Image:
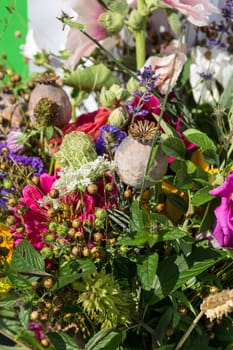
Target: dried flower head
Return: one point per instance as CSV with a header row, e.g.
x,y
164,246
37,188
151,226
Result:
x,y
46,112
218,305
46,78
142,130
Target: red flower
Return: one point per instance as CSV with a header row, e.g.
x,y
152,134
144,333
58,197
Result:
x,y
90,123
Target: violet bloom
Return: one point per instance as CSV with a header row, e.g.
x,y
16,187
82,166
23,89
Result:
x,y
197,11
77,43
110,138
15,141
223,228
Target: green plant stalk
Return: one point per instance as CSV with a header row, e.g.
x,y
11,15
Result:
x,y
108,53
140,38
189,330
156,137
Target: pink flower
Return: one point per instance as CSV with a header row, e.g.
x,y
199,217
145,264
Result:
x,y
197,11
35,218
168,67
223,228
88,12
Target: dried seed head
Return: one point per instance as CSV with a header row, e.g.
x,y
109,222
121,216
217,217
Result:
x,y
46,112
218,305
142,130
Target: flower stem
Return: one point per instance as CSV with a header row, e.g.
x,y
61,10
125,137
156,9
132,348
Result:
x,y
140,38
189,330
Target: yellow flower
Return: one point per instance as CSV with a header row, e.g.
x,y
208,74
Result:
x,y
5,287
173,213
200,162
6,244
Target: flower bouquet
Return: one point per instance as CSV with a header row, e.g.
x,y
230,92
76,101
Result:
x,y
116,226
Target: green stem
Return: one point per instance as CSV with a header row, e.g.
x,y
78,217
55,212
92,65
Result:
x,y
140,38
189,330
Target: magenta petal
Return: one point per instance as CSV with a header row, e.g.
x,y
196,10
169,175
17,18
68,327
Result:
x,y
46,182
225,189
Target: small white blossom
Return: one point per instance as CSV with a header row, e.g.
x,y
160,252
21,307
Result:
x,y
71,179
217,69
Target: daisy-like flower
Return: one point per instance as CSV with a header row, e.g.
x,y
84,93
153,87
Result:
x,y
208,69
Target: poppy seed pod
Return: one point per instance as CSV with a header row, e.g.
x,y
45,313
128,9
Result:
x,y
131,160
49,104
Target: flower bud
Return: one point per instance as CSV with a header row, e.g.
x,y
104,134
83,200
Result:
x,y
120,93
107,98
136,21
111,21
132,85
118,118
154,4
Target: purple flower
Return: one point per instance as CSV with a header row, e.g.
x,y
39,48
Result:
x,y
109,139
227,10
223,227
15,141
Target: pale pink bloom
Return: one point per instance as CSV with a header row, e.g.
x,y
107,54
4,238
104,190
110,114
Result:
x,y
197,11
132,3
168,67
88,12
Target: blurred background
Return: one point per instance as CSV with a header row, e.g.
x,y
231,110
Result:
x,y
28,27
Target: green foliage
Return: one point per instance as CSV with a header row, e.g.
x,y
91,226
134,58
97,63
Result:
x,y
91,78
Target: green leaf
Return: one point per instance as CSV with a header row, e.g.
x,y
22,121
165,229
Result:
x,y
210,156
174,21
29,338
63,341
91,78
174,147
73,24
146,269
202,196
137,216
175,271
119,6
49,131
72,270
104,339
27,258
226,98
200,139
171,233
7,302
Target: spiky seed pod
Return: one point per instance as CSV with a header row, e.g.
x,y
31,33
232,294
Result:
x,y
218,305
52,102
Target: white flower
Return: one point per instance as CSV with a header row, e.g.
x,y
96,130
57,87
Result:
x,y
206,72
71,179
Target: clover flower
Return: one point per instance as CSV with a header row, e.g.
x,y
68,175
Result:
x,y
15,141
